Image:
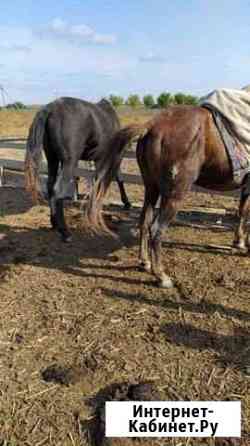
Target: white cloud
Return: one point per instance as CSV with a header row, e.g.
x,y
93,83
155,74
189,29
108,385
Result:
x,y
152,58
13,47
77,34
32,68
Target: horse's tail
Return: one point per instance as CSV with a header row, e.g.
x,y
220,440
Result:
x,y
106,170
34,152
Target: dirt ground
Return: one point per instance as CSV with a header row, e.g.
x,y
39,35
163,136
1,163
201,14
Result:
x,y
80,322
78,318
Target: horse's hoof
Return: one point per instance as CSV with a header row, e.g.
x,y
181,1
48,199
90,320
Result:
x,y
127,206
240,246
247,370
54,225
66,238
145,266
165,282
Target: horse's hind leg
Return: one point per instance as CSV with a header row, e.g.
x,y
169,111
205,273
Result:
x,y
175,184
241,234
52,175
146,217
61,191
124,197
166,213
53,164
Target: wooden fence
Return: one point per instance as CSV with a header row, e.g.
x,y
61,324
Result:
x,y
18,166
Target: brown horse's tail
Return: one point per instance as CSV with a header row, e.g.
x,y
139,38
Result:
x,y
34,152
106,170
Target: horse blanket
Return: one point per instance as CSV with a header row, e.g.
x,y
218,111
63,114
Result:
x,y
231,112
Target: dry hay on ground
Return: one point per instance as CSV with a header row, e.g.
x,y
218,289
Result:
x,y
78,319
86,314
16,123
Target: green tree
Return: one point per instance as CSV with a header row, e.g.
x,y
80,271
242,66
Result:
x,y
116,101
149,101
179,98
133,100
191,100
187,99
164,99
16,105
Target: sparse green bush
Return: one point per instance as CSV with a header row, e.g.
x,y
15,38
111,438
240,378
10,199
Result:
x,y
164,99
116,101
187,99
133,100
16,106
179,98
149,101
191,100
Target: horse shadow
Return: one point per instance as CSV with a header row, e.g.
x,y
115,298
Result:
x,y
202,307
231,351
43,247
14,201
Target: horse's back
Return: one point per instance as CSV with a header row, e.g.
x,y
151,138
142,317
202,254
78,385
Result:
x,y
186,136
172,132
77,124
180,121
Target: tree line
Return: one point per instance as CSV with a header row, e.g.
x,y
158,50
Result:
x,y
149,101
15,106
134,100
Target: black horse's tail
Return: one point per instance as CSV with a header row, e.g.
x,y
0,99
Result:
x,y
34,152
106,171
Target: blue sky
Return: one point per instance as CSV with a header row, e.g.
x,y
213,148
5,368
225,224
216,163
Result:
x,y
90,49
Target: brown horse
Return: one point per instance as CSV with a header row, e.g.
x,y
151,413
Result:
x,y
181,147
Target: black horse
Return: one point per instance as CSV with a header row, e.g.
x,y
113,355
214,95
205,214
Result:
x,y
69,130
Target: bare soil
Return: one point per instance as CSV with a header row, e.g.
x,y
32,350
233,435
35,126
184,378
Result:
x,y
81,324
80,319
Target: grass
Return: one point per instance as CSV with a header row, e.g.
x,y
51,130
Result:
x,y
17,123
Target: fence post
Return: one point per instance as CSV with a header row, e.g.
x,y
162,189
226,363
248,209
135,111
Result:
x,y
1,176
